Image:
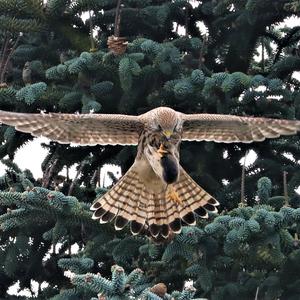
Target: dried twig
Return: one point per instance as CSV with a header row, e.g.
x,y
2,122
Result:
x,y
69,244
76,177
94,178
263,53
48,174
99,175
83,233
256,294
3,54
3,51
243,201
12,50
187,19
117,19
93,48
285,190
112,176
202,51
67,173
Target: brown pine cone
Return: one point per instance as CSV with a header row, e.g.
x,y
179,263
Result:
x,y
159,289
117,45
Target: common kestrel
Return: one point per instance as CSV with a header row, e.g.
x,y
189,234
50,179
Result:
x,y
156,194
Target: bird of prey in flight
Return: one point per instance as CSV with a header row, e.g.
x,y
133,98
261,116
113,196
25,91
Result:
x,y
155,194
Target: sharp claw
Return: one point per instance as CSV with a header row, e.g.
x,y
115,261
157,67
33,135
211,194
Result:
x,y
172,195
161,151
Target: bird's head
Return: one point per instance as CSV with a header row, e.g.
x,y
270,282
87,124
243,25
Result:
x,y
166,121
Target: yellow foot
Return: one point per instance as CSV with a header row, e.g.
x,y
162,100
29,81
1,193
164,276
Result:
x,y
171,194
161,151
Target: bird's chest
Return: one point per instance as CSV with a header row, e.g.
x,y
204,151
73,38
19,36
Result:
x,y
157,169
150,179
149,139
155,139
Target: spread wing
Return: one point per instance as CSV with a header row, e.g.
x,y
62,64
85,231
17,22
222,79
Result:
x,y
230,129
86,129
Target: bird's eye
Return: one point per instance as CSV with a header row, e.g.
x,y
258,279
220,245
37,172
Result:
x,y
159,127
175,137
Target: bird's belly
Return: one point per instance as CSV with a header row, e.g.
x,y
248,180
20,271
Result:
x,y
150,179
166,166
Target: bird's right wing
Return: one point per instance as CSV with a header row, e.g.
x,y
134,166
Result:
x,y
234,129
84,129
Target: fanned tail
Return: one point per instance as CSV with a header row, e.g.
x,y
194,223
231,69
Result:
x,y
167,216
129,201
123,204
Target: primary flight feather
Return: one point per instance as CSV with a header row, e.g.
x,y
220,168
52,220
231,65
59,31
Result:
x,y
156,194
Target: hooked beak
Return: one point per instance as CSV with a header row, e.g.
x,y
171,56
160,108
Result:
x,y
167,133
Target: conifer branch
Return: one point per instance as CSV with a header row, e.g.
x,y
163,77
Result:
x,y
117,19
12,50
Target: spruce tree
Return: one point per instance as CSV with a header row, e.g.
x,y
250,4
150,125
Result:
x,y
129,56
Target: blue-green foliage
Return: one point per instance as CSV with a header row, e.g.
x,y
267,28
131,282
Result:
x,y
30,93
76,264
197,77
89,104
110,288
70,101
247,238
125,74
102,88
57,72
264,186
146,59
122,286
7,95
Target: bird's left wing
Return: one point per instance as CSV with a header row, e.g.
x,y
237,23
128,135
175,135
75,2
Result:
x,y
85,129
232,129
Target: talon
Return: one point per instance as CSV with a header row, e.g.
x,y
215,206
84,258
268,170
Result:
x,y
161,151
172,195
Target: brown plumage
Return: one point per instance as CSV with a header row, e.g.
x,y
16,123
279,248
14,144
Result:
x,y
156,194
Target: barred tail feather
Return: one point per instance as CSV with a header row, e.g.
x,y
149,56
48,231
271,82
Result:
x,y
129,201
194,199
122,203
139,213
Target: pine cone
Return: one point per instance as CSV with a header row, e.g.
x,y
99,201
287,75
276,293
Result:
x,y
117,45
3,85
159,289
